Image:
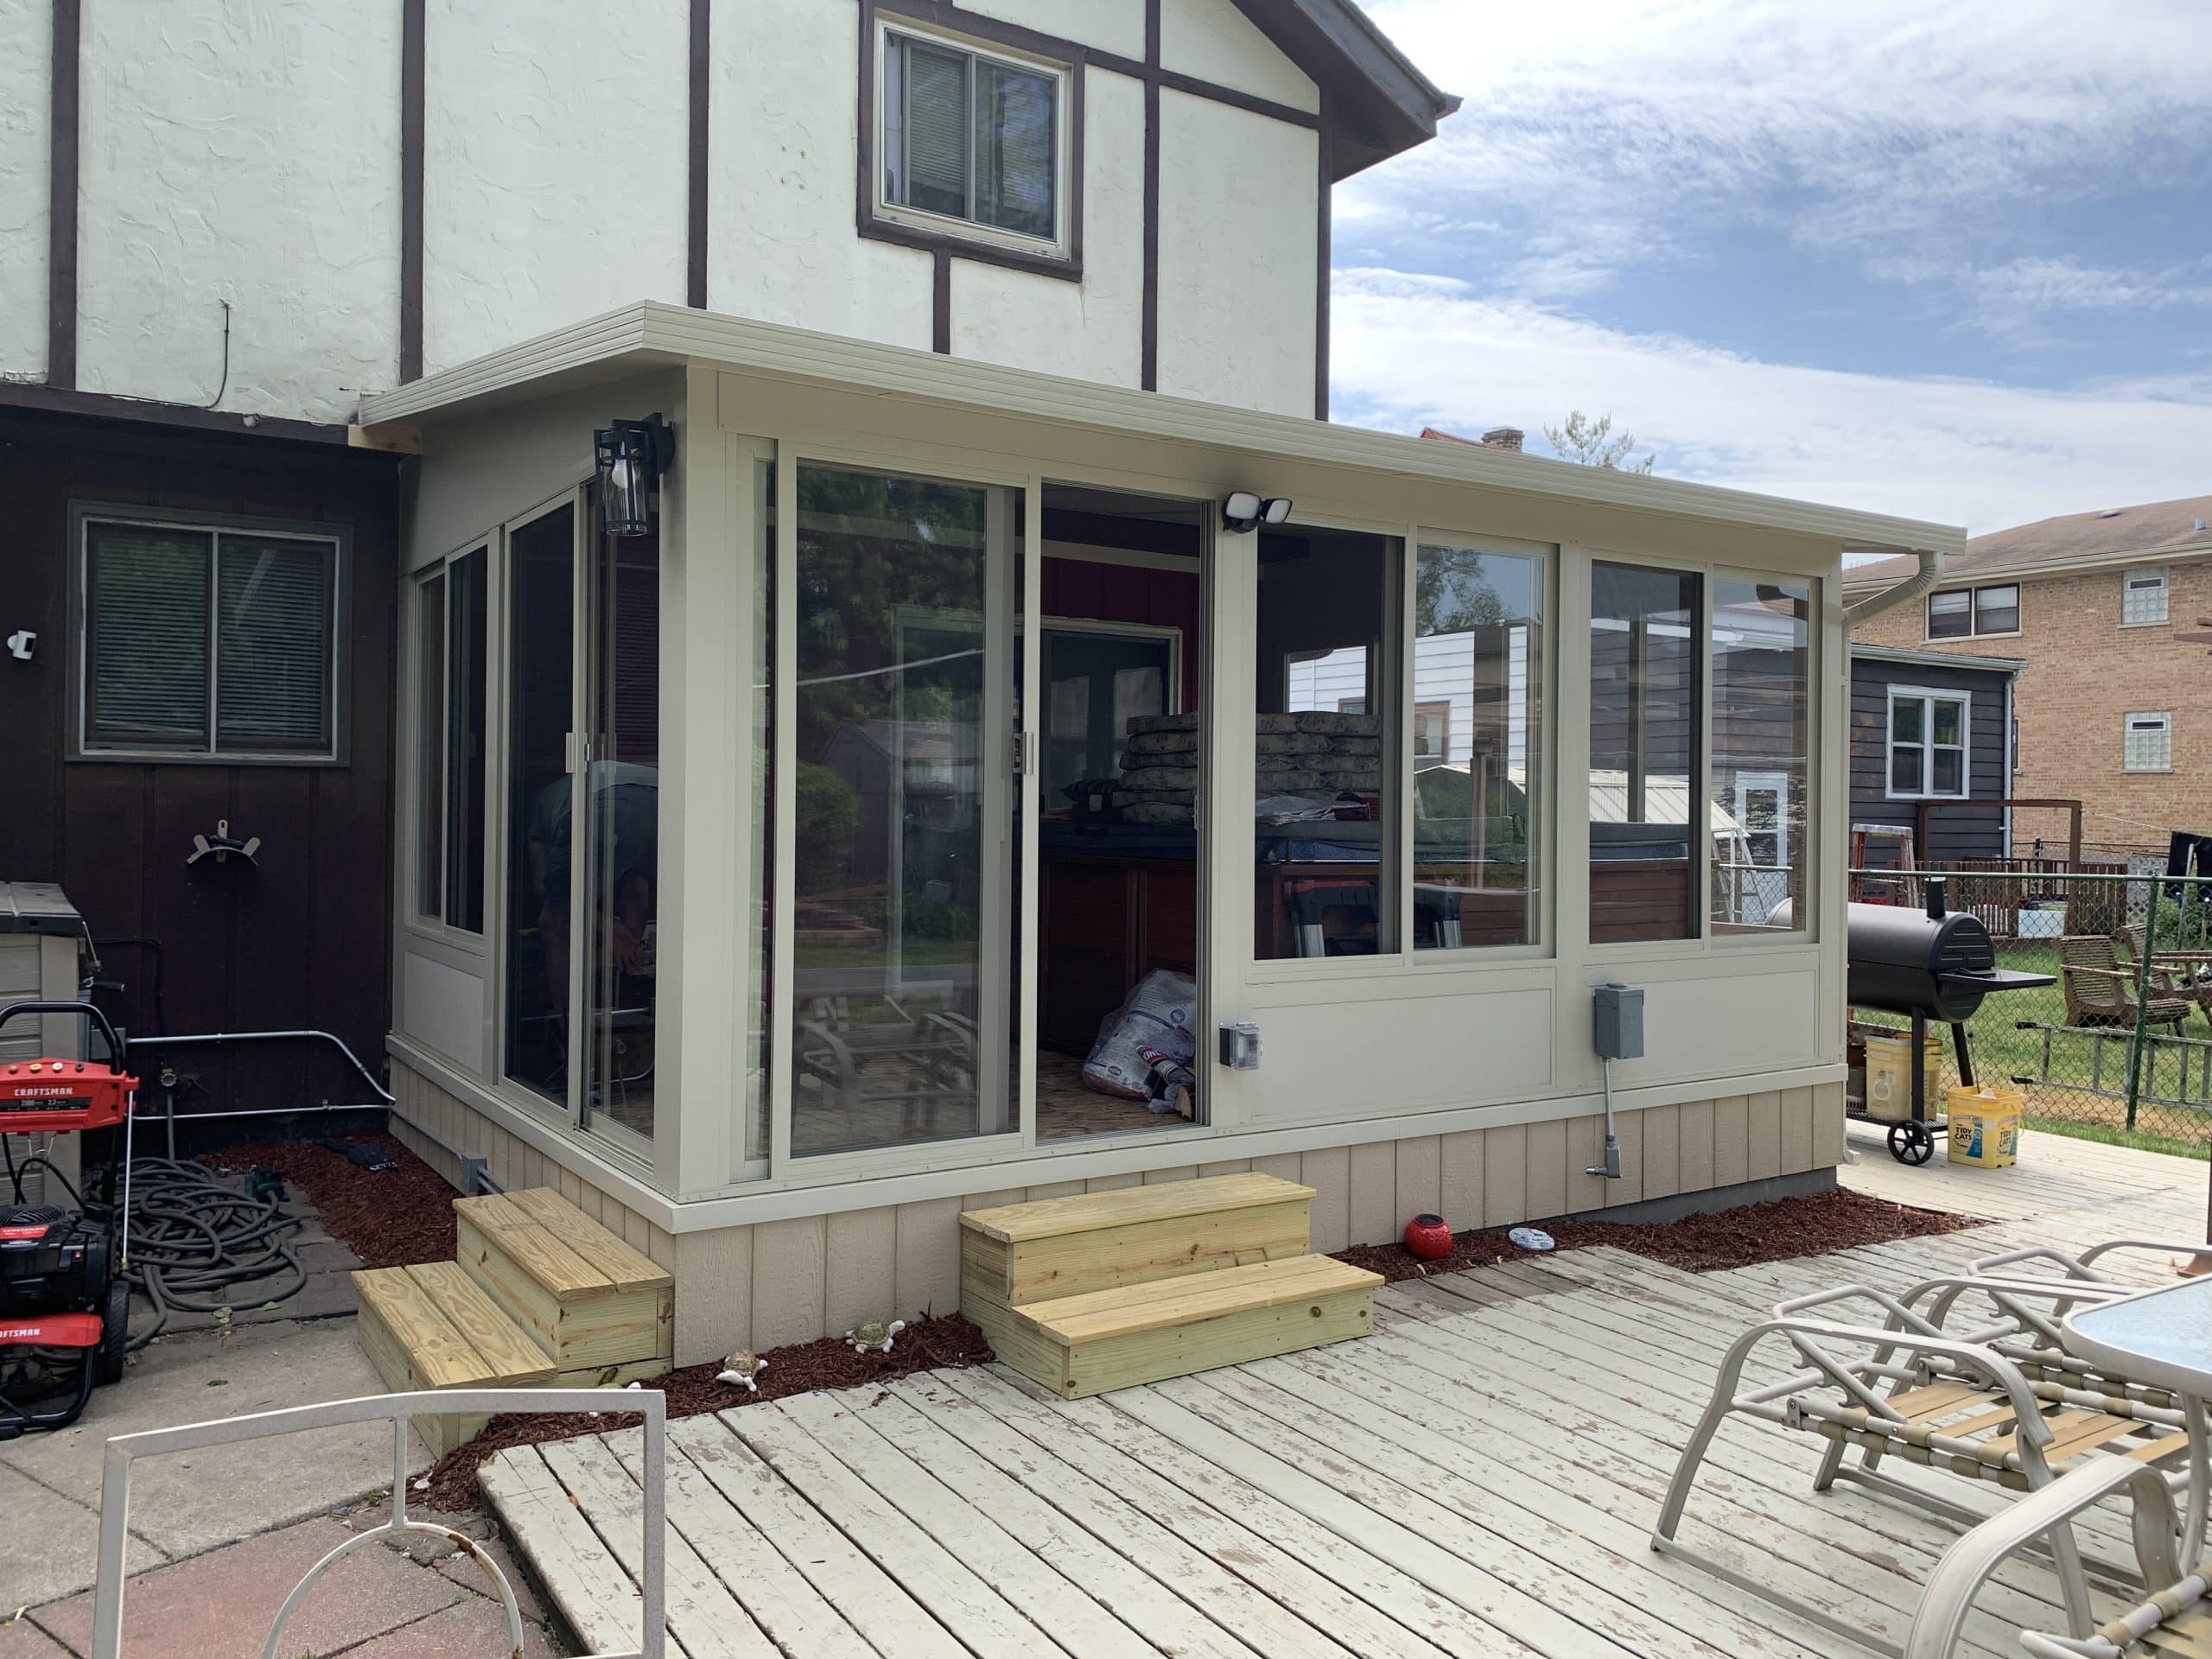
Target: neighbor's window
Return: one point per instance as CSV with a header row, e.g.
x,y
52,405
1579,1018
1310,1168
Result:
x,y
2148,745
2143,598
1964,612
1478,666
1643,752
201,640
452,615
1928,743
972,137
1762,707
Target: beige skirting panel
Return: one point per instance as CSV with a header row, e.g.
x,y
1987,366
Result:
x,y
782,1282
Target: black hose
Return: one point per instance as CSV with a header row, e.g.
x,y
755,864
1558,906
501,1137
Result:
x,y
193,1238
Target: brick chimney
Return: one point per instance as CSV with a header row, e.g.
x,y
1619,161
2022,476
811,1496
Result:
x,y
1505,438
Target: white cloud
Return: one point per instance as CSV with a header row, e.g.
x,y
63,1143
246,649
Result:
x,y
1408,350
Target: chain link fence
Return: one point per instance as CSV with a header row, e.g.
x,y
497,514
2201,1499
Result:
x,y
2119,1045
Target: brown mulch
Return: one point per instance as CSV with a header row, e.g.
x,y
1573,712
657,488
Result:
x,y
389,1217
928,1343
1741,1237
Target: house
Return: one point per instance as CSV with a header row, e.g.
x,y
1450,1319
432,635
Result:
x,y
2112,709
741,869
1931,754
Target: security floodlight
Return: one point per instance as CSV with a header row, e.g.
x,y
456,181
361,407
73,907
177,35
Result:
x,y
1239,511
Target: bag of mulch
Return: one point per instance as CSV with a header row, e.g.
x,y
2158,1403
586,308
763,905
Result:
x,y
1152,1026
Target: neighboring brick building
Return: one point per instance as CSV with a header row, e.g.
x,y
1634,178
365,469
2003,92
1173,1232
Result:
x,y
2112,709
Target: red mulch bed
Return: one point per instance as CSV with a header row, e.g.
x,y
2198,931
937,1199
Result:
x,y
928,1343
389,1217
1741,1237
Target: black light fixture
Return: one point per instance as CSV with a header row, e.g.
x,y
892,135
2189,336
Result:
x,y
630,457
1243,510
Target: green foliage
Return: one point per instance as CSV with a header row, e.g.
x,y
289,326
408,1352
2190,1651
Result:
x,y
1591,443
827,808
1451,594
937,918
2184,924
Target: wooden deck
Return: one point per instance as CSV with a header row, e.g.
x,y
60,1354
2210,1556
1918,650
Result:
x,y
1480,1478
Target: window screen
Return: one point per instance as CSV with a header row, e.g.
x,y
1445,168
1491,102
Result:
x,y
1950,616
1996,610
146,636
273,670
970,137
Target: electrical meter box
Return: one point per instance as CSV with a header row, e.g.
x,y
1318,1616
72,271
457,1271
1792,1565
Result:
x,y
1618,1021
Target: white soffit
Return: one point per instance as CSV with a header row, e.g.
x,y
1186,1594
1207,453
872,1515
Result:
x,y
653,334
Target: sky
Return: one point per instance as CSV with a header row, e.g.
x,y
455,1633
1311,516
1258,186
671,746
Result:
x,y
1947,260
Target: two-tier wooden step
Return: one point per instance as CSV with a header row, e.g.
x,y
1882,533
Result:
x,y
542,1295
1105,1290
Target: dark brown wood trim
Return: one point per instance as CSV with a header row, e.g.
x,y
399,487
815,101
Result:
x,y
941,304
412,57
1324,233
62,170
695,157
1148,327
1235,99
30,396
975,24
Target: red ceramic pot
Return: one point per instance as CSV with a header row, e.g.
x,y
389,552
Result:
x,y
1429,1238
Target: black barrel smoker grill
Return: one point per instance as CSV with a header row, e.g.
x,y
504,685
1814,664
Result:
x,y
1928,963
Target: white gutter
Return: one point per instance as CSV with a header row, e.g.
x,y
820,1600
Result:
x,y
1930,572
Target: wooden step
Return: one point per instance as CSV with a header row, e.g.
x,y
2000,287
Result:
x,y
1020,1254
431,1327
589,1300
1103,1340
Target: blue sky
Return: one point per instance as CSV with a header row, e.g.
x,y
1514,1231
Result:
x,y
1948,260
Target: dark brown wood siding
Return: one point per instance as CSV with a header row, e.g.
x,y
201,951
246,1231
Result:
x,y
302,938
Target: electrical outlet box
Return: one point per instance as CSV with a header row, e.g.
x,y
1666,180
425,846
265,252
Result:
x,y
1618,1021
1240,1046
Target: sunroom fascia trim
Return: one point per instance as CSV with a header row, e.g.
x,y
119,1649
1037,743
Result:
x,y
656,335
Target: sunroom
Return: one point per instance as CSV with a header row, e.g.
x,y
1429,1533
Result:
x,y
957,785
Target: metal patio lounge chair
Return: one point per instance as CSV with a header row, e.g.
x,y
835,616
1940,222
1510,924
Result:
x,y
2099,992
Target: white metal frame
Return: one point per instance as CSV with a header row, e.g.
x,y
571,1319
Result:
x,y
400,1410
1927,697
1805,923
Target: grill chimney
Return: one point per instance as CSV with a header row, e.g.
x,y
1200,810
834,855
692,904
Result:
x,y
1503,437
1935,897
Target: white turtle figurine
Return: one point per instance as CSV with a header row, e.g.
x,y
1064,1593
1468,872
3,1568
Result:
x,y
874,1334
741,1368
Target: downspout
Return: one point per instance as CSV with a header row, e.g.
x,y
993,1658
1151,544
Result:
x,y
1931,571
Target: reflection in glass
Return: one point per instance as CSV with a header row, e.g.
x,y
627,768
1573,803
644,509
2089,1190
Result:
x,y
761,883
1762,696
541,614
899,922
468,642
1643,752
1478,740
430,745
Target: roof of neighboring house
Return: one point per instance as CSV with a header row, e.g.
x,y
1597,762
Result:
x,y
1905,654
2050,545
1378,103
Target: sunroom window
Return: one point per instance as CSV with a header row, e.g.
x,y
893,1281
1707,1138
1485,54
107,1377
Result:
x,y
1644,723
971,138
1762,708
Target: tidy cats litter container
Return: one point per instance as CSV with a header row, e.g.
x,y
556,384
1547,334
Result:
x,y
1889,1075
1984,1126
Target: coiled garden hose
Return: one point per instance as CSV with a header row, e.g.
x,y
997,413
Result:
x,y
193,1237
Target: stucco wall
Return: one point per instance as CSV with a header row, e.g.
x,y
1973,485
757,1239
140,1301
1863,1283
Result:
x,y
25,66
553,181
1215,41
1107,25
239,150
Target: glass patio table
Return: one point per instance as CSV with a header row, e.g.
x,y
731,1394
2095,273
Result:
x,y
2162,1338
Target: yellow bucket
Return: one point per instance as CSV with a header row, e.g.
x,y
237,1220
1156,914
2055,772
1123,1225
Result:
x,y
1984,1126
1889,1075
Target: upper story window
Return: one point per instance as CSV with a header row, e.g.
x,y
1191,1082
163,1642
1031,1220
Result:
x,y
972,143
1965,613
199,640
1927,744
2147,745
2143,598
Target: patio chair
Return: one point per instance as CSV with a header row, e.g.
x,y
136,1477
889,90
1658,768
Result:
x,y
2016,1281
2186,974
2099,992
1906,1388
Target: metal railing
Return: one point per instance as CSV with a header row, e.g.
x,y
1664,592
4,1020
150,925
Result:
x,y
400,1409
2119,1045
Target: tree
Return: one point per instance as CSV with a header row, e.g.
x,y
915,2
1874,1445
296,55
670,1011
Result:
x,y
1591,443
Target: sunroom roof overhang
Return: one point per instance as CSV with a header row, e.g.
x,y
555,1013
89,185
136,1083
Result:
x,y
621,344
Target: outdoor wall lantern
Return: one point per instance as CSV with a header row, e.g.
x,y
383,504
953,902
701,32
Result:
x,y
630,457
1243,510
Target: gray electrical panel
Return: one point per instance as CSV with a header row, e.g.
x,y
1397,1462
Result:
x,y
1618,1021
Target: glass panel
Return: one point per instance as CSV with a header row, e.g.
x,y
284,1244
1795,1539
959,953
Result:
x,y
272,659
1324,828
468,647
1907,716
1643,752
763,873
1095,683
2144,597
146,635
1996,610
430,741
1950,616
541,614
1948,718
1907,773
898,959
934,137
1478,743
620,979
1947,772
1016,136
1762,708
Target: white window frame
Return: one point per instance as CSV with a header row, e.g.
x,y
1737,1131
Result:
x,y
2153,579
2163,728
1927,697
1973,596
338,659
411,712
1057,247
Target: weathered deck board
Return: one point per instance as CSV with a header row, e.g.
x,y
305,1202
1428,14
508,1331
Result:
x,y
1477,1478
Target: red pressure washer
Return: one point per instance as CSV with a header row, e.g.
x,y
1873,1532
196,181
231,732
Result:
x,y
65,1305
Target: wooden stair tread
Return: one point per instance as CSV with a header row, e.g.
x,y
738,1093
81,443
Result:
x,y
1015,1223
448,1333
1161,1303
559,1246
621,1263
